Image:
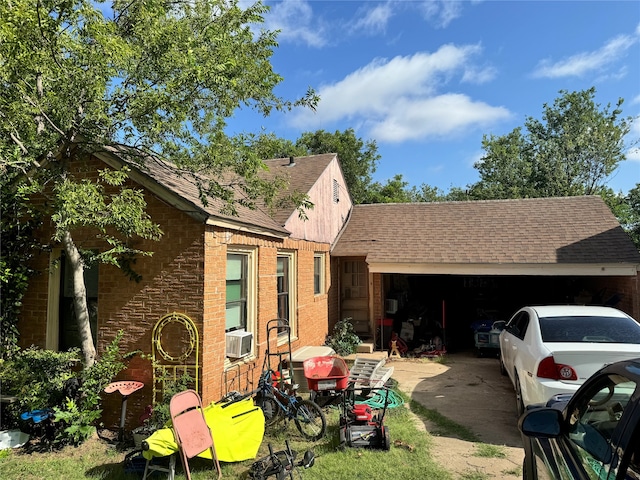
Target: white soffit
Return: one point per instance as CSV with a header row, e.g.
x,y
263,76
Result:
x,y
594,270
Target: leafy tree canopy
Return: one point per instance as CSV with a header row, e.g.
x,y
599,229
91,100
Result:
x,y
160,76
573,150
358,158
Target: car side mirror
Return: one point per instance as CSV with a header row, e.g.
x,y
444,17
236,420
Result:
x,y
541,423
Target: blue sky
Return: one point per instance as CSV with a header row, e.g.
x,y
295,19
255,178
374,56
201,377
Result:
x,y
426,79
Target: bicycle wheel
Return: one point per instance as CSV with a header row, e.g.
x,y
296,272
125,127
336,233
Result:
x,y
310,420
270,408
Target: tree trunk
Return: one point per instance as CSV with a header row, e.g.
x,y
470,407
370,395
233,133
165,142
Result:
x,y
80,300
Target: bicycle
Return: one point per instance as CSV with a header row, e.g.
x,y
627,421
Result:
x,y
280,465
282,402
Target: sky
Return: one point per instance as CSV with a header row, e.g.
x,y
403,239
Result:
x,y
427,79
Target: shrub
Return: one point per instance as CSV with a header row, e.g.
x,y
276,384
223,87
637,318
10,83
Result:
x,y
344,340
44,379
37,378
78,415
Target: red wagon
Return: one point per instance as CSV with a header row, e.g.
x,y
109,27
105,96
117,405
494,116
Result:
x,y
325,374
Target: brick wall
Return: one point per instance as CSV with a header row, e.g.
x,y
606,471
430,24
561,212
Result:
x,y
626,288
172,281
311,316
186,274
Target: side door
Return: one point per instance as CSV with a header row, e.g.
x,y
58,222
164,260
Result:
x,y
512,341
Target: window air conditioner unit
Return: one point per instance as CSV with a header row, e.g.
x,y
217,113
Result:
x,y
239,343
391,305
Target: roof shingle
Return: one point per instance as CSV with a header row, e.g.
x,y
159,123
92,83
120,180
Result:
x,y
523,231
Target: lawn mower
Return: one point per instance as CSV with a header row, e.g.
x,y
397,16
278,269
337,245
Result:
x,y
360,426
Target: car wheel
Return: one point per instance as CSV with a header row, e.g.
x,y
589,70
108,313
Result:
x,y
503,370
519,402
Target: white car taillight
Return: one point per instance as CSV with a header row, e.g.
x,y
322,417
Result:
x,y
548,368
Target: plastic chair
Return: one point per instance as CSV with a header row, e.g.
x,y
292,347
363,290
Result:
x,y
190,428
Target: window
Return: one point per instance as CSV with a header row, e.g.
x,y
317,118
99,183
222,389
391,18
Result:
x,y
354,279
318,274
589,329
336,191
286,291
518,325
241,295
236,291
593,421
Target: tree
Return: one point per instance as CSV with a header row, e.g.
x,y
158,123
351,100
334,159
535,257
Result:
x,y
358,158
573,150
627,209
161,76
267,145
633,221
17,247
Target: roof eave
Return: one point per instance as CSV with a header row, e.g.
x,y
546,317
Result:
x,y
190,208
555,269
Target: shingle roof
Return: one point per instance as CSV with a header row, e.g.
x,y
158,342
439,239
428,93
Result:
x,y
184,186
302,172
524,231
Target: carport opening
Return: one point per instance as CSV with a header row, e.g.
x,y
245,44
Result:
x,y
451,306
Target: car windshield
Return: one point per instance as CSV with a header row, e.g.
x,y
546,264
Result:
x,y
589,329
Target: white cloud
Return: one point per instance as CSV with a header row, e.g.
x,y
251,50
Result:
x,y
585,62
296,22
441,12
633,154
398,99
479,75
635,100
439,116
373,20
634,137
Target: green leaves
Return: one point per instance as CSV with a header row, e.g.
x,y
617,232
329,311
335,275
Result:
x,y
573,150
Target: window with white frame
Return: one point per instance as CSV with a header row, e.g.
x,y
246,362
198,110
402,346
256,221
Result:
x,y
240,291
336,191
318,274
285,276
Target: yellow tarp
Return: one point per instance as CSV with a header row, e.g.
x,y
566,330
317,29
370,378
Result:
x,y
237,429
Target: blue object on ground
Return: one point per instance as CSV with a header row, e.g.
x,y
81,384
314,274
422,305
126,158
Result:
x,y
37,416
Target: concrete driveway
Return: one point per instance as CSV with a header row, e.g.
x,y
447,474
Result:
x,y
466,389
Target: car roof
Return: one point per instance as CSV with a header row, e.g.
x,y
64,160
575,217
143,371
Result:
x,y
577,311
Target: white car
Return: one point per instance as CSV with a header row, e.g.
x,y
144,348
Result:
x,y
548,350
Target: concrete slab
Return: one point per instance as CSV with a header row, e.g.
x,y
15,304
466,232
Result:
x,y
466,389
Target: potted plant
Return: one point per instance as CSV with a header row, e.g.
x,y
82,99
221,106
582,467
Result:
x,y
344,339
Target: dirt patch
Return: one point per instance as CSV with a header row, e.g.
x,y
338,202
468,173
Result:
x,y
471,392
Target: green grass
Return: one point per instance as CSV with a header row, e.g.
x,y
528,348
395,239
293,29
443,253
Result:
x,y
490,451
515,472
409,454
475,475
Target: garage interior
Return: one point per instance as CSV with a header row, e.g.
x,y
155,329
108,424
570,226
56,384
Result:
x,y
451,306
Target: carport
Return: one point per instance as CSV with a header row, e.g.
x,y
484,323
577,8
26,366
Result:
x,y
442,267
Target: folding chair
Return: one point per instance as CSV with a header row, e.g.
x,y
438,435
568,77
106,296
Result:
x,y
190,428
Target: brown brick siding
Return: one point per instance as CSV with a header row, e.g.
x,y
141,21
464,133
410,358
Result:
x,y
186,274
626,288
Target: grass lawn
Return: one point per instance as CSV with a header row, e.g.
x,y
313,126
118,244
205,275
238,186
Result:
x,y
409,457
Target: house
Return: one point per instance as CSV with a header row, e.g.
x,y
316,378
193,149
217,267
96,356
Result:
x,y
211,277
423,270
436,269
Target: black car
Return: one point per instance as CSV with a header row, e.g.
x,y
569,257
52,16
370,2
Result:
x,y
593,434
